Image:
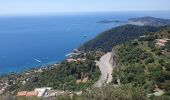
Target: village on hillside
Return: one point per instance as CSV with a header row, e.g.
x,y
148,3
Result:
x,y
43,91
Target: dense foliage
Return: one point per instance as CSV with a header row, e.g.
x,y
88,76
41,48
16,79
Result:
x,y
108,92
63,76
106,40
142,67
144,64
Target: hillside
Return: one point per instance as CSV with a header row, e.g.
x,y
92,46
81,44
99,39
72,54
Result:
x,y
106,40
145,62
141,56
67,75
149,21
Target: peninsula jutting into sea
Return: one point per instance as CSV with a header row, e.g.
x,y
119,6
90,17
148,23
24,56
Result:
x,y
49,38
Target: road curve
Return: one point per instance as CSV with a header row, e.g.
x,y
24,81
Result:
x,y
106,70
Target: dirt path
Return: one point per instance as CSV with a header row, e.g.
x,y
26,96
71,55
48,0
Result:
x,y
106,70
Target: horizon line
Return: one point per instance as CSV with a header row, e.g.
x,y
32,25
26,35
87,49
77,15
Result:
x,y
74,13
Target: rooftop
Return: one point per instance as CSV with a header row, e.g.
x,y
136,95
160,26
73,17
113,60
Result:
x,y
31,93
22,93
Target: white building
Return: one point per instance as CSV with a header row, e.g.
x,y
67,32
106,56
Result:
x,y
42,91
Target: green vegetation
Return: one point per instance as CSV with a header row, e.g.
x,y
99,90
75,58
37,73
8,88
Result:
x,y
106,40
62,76
109,92
143,64
11,97
142,68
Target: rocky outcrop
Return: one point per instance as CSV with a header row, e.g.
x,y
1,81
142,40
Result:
x,y
113,57
115,64
106,70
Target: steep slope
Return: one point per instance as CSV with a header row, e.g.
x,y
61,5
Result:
x,y
106,40
145,62
106,70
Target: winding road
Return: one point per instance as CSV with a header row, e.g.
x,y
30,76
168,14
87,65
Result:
x,y
106,69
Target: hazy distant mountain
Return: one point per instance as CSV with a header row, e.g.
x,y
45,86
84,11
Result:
x,y
150,21
109,21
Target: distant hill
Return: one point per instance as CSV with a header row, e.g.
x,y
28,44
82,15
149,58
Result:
x,y
106,40
109,21
149,21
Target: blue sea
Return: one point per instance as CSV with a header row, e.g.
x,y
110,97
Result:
x,y
31,41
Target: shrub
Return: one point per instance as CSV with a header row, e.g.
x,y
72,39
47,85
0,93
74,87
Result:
x,y
109,92
167,66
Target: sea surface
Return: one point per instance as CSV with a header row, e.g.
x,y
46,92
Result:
x,y
32,41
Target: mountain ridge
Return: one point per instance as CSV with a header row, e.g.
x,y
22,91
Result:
x,y
149,21
121,34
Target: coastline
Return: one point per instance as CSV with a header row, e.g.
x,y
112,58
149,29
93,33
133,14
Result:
x,y
30,68
50,45
40,66
45,65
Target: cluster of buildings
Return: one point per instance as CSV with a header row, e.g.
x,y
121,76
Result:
x,y
40,92
69,60
162,42
159,42
75,52
45,92
2,87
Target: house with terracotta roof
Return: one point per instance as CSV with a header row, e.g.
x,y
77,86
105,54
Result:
x,y
71,60
27,94
81,59
32,94
22,93
38,92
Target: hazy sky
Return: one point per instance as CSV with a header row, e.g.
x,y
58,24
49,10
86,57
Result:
x,y
15,7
